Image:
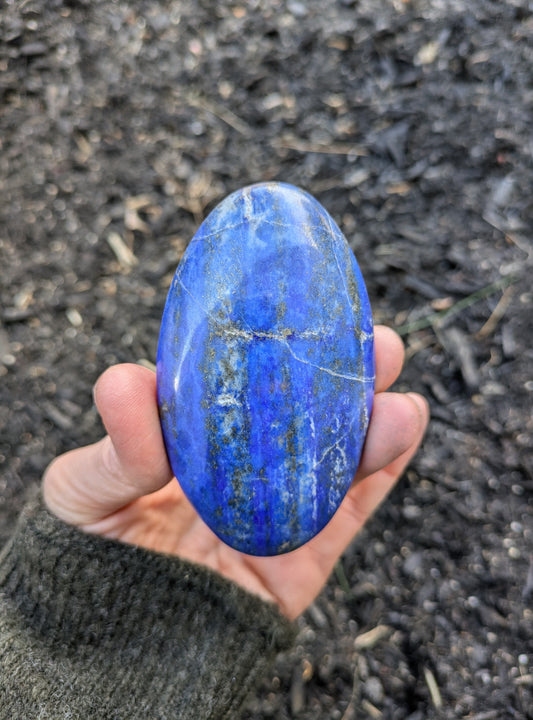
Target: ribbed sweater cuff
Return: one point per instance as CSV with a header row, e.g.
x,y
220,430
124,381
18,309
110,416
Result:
x,y
144,634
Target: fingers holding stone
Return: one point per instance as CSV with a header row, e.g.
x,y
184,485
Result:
x,y
395,432
125,396
398,421
371,488
396,428
87,484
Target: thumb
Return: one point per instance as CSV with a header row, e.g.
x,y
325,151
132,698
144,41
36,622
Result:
x,y
87,484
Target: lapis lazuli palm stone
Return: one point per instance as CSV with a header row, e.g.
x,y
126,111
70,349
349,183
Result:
x,y
265,369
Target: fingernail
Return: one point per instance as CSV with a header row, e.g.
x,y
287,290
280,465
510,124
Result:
x,y
94,395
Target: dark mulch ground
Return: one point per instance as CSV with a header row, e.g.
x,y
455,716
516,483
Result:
x,y
412,122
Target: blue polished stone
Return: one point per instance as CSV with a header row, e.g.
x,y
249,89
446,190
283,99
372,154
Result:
x,y
265,369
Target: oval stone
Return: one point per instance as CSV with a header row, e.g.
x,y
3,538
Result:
x,y
265,369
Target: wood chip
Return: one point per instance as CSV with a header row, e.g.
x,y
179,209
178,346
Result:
x,y
123,253
524,679
59,418
427,53
147,364
399,188
307,147
372,637
84,148
307,670
74,317
458,344
133,222
351,708
433,688
318,617
497,314
443,303
138,202
297,694
219,111
23,298
371,710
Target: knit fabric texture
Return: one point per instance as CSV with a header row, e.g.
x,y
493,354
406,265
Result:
x,y
94,628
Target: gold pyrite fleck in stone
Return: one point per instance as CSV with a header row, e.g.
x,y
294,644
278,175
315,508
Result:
x,y
265,369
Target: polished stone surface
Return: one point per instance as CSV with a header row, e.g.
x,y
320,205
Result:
x,y
265,369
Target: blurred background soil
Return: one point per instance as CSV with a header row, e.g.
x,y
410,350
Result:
x,y
122,124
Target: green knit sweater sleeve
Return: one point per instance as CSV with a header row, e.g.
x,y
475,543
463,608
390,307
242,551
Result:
x,y
93,628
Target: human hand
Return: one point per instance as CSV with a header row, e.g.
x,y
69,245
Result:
x,y
122,487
